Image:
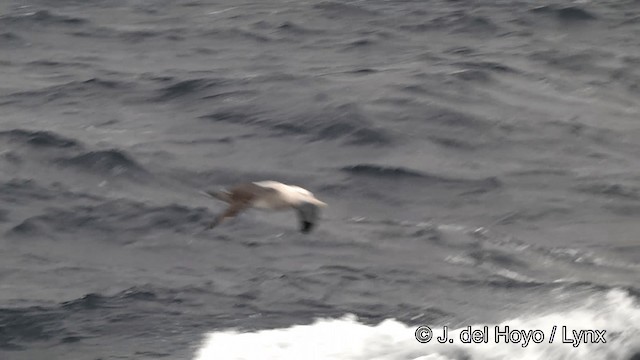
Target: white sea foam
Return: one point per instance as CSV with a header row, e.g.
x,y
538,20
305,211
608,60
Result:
x,y
347,339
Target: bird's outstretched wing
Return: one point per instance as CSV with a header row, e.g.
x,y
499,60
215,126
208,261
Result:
x,y
308,215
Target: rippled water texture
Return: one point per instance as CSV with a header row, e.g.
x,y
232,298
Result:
x,y
480,161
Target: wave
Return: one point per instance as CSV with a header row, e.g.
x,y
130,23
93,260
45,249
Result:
x,y
332,9
126,218
45,63
476,26
473,75
94,301
463,22
24,326
359,43
239,34
346,122
611,190
623,210
138,36
439,116
456,22
36,138
289,27
17,190
41,17
27,325
186,87
382,171
487,65
20,191
11,39
106,162
452,143
582,61
72,92
567,14
616,312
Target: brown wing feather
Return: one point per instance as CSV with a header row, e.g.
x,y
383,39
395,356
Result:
x,y
233,210
240,198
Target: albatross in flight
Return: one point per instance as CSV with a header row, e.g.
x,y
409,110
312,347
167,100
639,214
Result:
x,y
270,195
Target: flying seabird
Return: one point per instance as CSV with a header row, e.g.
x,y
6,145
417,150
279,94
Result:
x,y
271,195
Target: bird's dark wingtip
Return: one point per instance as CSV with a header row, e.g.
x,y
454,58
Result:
x,y
306,227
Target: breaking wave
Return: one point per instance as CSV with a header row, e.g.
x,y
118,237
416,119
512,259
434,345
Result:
x,y
346,338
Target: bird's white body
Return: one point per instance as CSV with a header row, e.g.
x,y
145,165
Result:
x,y
288,196
270,195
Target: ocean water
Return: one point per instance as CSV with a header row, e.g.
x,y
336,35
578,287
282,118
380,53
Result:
x,y
345,338
479,159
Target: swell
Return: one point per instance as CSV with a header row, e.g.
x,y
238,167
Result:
x,y
504,283
20,191
566,14
51,148
39,139
41,18
580,61
345,122
611,190
52,64
88,316
27,325
110,162
455,22
562,254
294,28
10,39
224,176
375,171
492,66
139,36
240,34
185,88
72,92
333,9
95,301
120,220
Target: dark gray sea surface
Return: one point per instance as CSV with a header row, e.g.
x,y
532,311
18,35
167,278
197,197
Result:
x,y
480,159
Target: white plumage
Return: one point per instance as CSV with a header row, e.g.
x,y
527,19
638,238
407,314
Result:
x,y
271,195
